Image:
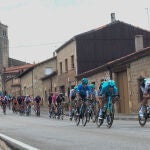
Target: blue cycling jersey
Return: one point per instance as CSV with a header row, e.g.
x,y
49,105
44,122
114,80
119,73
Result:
x,y
106,92
83,91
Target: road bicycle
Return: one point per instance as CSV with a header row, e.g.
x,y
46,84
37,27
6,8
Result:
x,y
142,120
37,109
21,109
15,108
28,109
52,112
73,110
60,112
4,103
91,108
82,113
108,112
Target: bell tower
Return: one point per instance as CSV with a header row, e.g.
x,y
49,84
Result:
x,y
4,46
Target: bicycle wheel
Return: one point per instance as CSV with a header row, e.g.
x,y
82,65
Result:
x,y
93,116
4,109
27,112
142,120
110,118
61,114
88,114
38,111
77,118
84,118
99,122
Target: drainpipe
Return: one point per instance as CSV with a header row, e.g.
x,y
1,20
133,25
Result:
x,y
20,87
32,84
110,72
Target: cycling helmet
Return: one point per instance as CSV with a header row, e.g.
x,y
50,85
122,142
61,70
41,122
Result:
x,y
92,86
111,83
84,81
75,88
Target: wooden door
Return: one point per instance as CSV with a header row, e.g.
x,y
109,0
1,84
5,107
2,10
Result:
x,y
122,84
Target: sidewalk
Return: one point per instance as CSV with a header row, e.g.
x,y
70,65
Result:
x,y
118,116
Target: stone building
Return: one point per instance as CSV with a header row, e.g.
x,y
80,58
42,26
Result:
x,y
11,80
31,79
66,67
49,84
126,71
95,48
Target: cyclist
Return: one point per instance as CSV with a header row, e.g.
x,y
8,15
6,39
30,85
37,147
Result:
x,y
50,103
50,100
93,92
14,104
59,99
28,101
4,103
54,103
72,97
37,101
108,89
100,86
83,92
145,88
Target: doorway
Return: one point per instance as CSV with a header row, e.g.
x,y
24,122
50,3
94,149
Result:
x,y
122,83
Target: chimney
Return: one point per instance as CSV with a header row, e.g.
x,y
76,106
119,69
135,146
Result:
x,y
138,42
54,54
113,19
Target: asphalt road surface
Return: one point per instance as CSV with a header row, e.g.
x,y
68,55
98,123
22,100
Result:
x,y
52,134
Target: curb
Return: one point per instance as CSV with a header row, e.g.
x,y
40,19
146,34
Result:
x,y
126,118
7,143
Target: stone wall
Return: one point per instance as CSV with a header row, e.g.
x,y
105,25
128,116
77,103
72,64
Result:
x,y
140,67
66,78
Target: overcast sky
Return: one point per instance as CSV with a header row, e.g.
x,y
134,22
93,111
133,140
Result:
x,y
36,28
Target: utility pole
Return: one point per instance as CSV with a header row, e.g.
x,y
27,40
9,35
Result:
x,y
148,18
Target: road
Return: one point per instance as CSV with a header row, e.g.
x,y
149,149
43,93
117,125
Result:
x,y
46,134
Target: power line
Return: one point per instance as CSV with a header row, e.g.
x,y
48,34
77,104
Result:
x,y
33,45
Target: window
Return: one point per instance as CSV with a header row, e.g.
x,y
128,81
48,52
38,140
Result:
x,y
72,61
4,33
60,67
66,65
